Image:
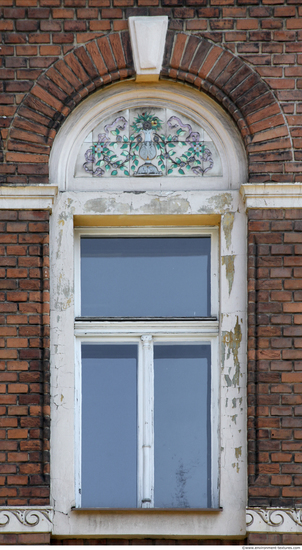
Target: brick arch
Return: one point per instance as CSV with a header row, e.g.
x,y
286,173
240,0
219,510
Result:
x,y
55,94
189,59
242,92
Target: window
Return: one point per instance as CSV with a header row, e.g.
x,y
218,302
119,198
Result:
x,y
146,330
89,207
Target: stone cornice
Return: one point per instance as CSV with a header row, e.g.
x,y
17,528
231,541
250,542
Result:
x,y
26,519
34,197
272,195
274,520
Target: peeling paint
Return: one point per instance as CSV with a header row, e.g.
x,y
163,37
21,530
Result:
x,y
228,261
234,402
161,205
221,202
67,213
231,341
102,205
59,242
227,226
236,465
67,291
234,418
238,452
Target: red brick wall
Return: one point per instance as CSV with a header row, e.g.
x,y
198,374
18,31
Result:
x,y
274,539
24,358
24,538
275,357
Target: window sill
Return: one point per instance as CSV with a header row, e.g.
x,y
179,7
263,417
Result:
x,y
148,510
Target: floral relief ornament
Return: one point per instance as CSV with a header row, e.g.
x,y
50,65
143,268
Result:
x,y
274,517
117,153
101,156
27,517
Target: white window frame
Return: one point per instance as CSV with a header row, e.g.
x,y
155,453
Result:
x,y
145,334
99,203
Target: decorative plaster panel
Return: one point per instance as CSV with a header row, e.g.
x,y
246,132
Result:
x,y
148,141
26,519
274,520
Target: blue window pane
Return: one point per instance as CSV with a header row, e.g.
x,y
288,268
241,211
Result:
x,y
109,426
145,277
182,435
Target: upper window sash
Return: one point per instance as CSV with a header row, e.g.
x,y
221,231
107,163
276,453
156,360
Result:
x,y
144,231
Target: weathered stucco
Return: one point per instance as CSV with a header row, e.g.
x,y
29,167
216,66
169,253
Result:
x,y
227,226
229,373
230,343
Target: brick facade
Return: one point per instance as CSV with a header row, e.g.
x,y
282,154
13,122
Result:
x,y
274,352
246,55
24,358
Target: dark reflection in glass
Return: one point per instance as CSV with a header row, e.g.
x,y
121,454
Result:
x,y
109,426
145,277
182,426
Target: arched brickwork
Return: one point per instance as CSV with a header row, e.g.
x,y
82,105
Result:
x,y
243,94
190,59
56,93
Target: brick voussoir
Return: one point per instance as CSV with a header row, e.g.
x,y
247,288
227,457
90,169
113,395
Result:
x,y
230,71
86,62
213,55
106,52
47,98
188,58
77,68
65,71
118,51
189,52
27,113
200,55
60,81
219,66
52,88
125,39
178,50
36,104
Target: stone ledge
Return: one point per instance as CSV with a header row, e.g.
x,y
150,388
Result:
x,y
26,519
28,197
272,195
274,520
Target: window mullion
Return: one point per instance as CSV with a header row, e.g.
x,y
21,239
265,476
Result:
x,y
148,423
